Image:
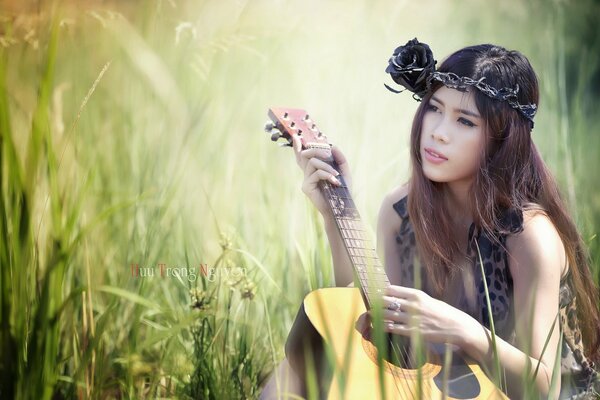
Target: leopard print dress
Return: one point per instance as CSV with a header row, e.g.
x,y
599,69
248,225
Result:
x,y
579,376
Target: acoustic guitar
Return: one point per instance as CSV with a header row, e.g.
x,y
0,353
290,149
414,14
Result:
x,y
333,359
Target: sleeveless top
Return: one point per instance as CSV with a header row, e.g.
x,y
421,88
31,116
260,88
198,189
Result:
x,y
579,377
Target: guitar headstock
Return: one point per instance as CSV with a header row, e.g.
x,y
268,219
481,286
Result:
x,y
288,122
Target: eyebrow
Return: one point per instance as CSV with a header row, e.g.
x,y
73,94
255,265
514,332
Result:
x,y
466,112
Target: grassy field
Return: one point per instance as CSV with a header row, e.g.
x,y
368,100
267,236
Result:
x,y
155,243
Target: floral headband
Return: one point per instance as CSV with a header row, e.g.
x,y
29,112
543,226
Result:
x,y
413,67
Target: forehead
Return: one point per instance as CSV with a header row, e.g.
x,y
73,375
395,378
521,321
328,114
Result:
x,y
454,98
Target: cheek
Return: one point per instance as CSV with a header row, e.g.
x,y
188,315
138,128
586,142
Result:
x,y
428,122
426,127
472,152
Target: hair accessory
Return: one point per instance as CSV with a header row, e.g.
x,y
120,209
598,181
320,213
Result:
x,y
509,95
413,67
410,65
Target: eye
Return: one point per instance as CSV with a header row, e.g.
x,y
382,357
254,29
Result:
x,y
431,107
466,122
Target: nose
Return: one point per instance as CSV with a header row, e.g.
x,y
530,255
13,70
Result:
x,y
439,132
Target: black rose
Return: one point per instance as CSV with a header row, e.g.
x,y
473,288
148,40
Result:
x,y
410,65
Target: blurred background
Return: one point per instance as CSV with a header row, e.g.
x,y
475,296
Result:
x,y
155,242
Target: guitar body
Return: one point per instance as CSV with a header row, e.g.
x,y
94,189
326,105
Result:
x,y
326,320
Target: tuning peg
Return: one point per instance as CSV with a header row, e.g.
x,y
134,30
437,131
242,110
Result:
x,y
285,144
275,135
269,125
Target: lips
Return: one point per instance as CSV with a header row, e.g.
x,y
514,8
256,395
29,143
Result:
x,y
435,153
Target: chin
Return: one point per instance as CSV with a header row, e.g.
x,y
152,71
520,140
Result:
x,y
436,176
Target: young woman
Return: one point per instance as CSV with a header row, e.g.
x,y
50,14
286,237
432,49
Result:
x,y
478,191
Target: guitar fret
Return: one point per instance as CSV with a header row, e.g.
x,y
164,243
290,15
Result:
x,y
375,292
372,287
351,222
369,274
360,244
365,261
373,262
343,197
378,291
363,270
379,283
374,273
354,234
342,202
342,188
342,206
349,235
374,282
362,252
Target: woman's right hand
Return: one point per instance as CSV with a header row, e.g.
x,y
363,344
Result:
x,y
311,161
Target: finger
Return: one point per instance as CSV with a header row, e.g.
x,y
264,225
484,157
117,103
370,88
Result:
x,y
382,318
399,329
304,156
396,316
340,159
316,152
320,175
320,164
389,301
392,302
297,143
402,292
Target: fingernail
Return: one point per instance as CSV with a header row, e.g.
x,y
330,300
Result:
x,y
336,173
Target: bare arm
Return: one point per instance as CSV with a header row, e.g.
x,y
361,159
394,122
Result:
x,y
342,266
536,263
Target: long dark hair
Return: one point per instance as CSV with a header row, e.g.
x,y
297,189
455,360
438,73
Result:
x,y
512,174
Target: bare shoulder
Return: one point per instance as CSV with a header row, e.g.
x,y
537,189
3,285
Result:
x,y
389,219
537,249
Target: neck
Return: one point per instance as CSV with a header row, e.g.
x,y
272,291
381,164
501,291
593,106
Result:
x,y
458,201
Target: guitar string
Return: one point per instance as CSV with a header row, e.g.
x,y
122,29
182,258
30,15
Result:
x,y
395,347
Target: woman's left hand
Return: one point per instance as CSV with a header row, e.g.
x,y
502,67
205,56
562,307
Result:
x,y
436,320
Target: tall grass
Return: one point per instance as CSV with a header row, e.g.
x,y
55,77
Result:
x,y
130,133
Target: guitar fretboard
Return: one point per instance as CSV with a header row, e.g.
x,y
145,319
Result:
x,y
361,250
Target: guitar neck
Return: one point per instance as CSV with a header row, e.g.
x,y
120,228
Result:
x,y
366,265
369,271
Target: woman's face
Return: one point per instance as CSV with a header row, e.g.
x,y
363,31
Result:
x,y
452,128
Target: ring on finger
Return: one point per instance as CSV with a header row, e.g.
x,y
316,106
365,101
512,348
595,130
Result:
x,y
395,306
